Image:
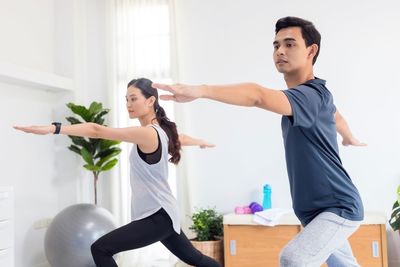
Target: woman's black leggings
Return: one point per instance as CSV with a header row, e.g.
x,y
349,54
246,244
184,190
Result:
x,y
137,234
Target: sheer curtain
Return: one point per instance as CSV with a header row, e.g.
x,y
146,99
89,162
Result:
x,y
141,45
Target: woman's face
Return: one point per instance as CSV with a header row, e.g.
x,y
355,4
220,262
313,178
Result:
x,y
136,104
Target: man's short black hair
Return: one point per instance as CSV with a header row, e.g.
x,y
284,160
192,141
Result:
x,y
308,31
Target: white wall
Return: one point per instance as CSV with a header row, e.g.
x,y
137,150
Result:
x,y
27,29
65,38
97,85
81,53
41,171
231,41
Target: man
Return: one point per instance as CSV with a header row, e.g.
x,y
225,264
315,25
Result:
x,y
324,198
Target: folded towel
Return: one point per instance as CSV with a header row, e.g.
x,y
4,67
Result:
x,y
269,217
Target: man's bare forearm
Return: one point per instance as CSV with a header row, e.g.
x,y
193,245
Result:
x,y
243,94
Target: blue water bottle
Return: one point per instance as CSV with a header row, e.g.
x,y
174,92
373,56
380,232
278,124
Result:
x,y
267,197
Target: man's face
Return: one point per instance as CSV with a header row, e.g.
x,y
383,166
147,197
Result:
x,y
290,51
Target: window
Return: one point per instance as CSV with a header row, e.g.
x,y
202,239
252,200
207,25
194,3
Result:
x,y
141,42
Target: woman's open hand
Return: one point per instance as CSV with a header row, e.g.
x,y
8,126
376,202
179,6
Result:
x,y
40,130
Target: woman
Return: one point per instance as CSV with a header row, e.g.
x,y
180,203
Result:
x,y
154,209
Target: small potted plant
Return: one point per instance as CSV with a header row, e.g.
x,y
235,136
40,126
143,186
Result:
x,y
208,226
395,217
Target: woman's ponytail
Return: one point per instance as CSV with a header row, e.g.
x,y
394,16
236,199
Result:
x,y
174,145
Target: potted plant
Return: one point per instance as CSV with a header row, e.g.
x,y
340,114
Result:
x,y
74,229
208,226
98,154
395,216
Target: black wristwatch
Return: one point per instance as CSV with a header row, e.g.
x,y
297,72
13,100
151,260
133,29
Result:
x,y
58,127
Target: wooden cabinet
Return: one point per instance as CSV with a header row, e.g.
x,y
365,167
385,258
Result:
x,y
247,244
369,244
6,227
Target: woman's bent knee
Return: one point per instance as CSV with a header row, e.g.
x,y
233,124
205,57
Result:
x,y
99,248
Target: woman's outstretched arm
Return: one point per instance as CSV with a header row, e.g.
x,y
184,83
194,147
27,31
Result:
x,y
145,137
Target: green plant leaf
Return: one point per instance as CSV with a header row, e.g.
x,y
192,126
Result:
x,y
398,194
80,110
91,167
81,142
109,165
395,223
95,143
95,108
395,205
105,159
73,120
87,156
99,117
105,144
107,152
207,224
395,213
75,149
394,220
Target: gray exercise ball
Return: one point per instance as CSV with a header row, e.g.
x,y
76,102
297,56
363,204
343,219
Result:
x,y
71,233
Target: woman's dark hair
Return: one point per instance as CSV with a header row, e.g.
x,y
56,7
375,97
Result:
x,y
174,146
308,31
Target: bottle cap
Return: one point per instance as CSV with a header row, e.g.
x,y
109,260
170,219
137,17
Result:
x,y
267,187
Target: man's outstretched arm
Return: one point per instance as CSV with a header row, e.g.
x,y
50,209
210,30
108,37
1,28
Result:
x,y
187,140
243,94
344,130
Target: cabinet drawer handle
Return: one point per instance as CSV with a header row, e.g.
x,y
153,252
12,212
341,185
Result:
x,y
375,249
232,246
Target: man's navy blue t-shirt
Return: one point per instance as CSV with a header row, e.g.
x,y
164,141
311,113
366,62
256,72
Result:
x,y
318,181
